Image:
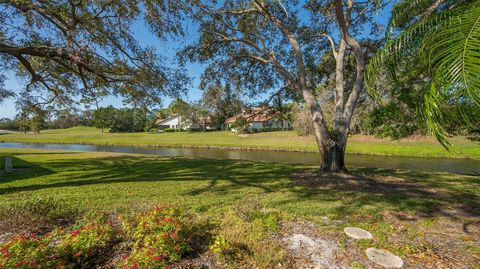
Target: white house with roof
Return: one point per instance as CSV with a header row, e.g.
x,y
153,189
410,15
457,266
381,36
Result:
x,y
181,123
259,118
174,122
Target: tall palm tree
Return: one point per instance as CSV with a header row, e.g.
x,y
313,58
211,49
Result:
x,y
444,36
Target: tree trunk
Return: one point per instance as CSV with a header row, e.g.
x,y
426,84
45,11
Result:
x,y
332,153
333,157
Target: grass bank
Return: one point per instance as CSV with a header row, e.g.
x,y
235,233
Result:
x,y
425,218
287,141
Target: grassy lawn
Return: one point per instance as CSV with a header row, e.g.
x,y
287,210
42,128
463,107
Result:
x,y
421,147
407,212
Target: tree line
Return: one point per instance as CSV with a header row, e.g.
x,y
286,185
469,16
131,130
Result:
x,y
116,120
394,120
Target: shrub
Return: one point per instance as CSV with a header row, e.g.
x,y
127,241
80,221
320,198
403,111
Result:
x,y
169,130
241,124
193,130
158,239
266,129
274,129
80,244
222,249
27,251
76,247
149,125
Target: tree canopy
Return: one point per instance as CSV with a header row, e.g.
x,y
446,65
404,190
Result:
x,y
67,49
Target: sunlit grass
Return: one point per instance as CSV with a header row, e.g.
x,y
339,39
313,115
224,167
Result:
x,y
110,180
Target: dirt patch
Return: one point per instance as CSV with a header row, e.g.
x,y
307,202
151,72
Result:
x,y
311,246
199,256
386,185
349,182
203,261
445,235
440,242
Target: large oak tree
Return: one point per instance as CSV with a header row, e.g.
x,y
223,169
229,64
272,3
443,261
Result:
x,y
285,45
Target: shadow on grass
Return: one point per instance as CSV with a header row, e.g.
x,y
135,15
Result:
x,y
21,170
93,171
429,193
42,153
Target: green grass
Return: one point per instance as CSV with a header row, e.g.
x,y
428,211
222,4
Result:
x,y
109,180
289,141
219,189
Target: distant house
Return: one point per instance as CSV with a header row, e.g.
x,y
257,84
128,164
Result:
x,y
259,118
182,123
173,122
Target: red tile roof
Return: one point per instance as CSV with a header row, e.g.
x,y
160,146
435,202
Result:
x,y
254,114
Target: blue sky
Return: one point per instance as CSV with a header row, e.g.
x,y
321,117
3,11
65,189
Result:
x,y
166,48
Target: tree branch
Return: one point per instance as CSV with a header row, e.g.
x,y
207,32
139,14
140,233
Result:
x,y
332,44
290,37
360,64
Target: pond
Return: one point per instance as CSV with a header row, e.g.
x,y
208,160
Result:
x,y
458,166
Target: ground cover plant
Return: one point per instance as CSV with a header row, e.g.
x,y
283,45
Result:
x,y
158,239
77,246
154,239
240,212
289,141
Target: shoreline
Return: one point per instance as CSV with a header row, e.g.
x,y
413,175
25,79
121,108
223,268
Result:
x,y
236,148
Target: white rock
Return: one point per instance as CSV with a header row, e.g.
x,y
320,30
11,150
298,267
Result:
x,y
319,252
357,233
384,258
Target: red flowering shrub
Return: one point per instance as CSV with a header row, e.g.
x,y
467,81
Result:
x,y
62,248
26,252
80,243
158,239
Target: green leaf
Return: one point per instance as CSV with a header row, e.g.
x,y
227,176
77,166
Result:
x,y
448,44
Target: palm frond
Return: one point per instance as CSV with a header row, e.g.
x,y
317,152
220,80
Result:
x,y
453,53
433,117
406,12
448,44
